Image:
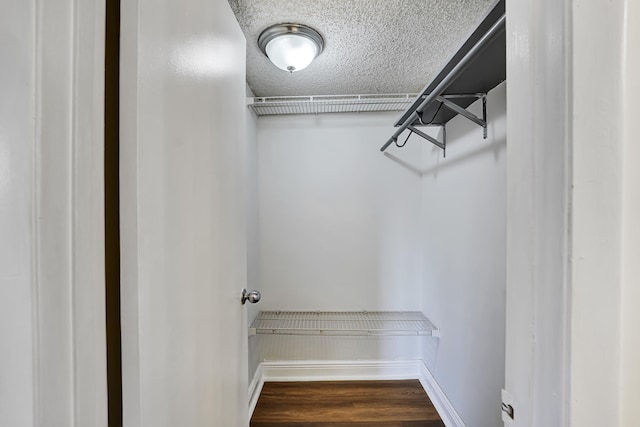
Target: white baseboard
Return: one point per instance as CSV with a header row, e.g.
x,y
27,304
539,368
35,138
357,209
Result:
x,y
445,409
312,370
255,388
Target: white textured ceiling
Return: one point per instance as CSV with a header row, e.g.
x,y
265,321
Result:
x,y
371,46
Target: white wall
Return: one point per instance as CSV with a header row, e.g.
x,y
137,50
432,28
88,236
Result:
x,y
338,229
253,266
251,156
338,220
464,249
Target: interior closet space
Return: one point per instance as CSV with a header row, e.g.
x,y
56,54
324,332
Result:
x,y
343,227
338,231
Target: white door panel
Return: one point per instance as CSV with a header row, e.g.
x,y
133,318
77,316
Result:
x,y
183,214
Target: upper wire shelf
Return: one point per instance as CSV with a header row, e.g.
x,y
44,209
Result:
x,y
343,323
318,104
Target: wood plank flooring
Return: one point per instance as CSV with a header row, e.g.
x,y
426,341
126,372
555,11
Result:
x,y
345,403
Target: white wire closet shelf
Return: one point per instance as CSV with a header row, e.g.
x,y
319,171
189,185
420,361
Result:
x,y
343,323
318,104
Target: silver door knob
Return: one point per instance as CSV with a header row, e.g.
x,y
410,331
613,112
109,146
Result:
x,y
253,296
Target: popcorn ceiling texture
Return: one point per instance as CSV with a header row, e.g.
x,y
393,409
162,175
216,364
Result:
x,y
371,46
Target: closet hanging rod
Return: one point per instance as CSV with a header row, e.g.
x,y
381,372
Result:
x,y
494,31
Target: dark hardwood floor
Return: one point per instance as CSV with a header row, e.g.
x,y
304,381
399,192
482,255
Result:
x,y
344,404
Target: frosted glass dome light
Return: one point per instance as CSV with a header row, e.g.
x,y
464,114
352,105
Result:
x,y
291,52
291,47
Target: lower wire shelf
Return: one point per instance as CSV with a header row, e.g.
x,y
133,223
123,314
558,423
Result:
x,y
343,323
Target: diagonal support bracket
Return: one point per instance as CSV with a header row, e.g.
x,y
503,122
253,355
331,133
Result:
x,y
446,101
469,115
429,138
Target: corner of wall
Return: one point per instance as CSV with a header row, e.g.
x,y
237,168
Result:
x,y
463,233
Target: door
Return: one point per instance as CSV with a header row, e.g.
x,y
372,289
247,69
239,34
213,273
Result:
x,y
183,231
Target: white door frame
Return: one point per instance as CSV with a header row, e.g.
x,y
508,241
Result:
x,y
538,210
573,250
52,295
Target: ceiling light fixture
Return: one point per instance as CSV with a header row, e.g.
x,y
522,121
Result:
x,y
291,47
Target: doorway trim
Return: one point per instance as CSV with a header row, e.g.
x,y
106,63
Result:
x,y
68,305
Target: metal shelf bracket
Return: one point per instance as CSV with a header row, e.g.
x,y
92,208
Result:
x,y
466,113
478,66
431,139
446,101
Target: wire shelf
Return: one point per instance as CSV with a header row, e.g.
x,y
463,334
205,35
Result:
x,y
289,105
343,323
